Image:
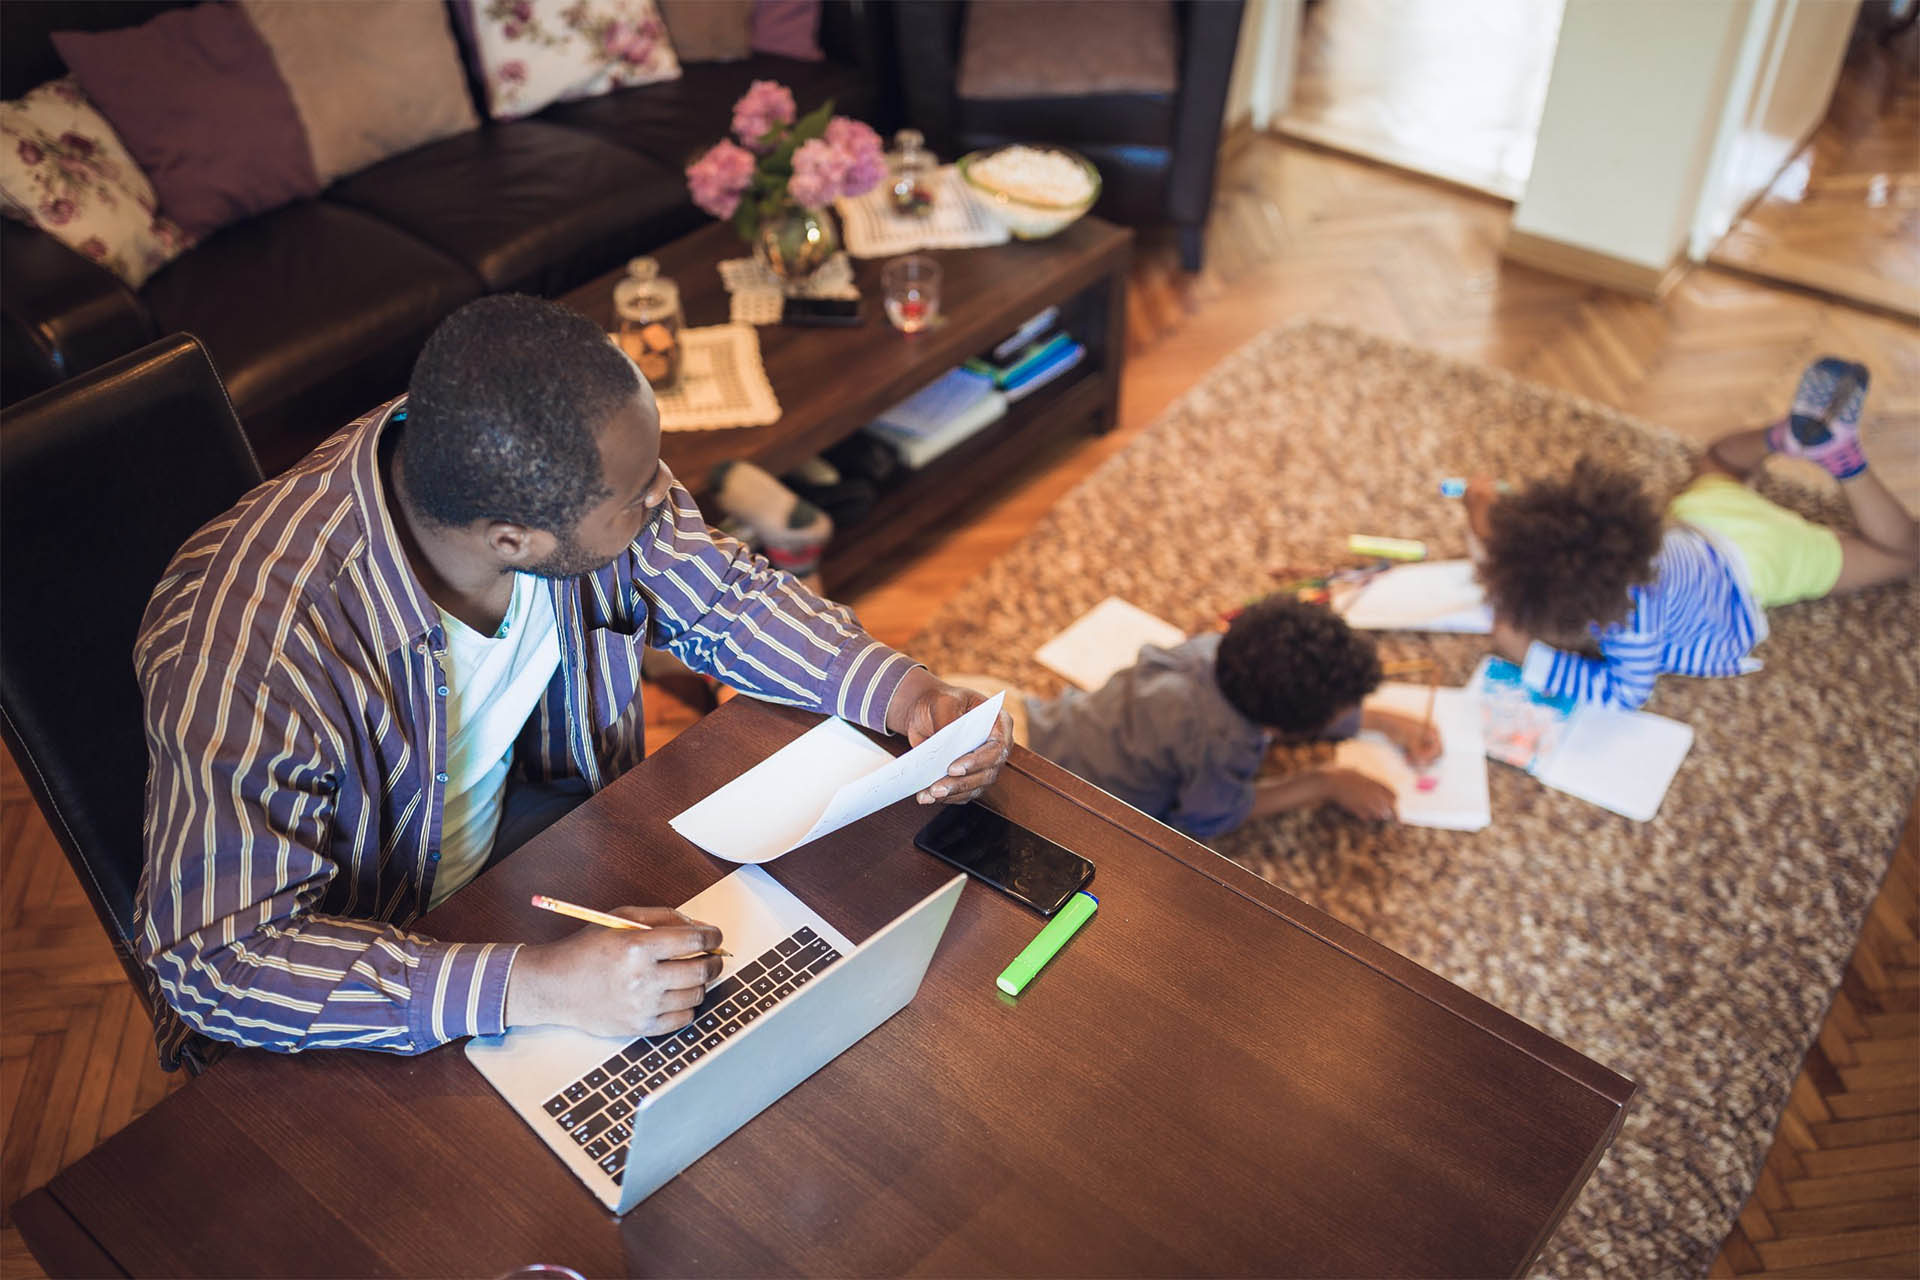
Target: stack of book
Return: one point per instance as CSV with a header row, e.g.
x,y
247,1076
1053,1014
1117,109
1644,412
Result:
x,y
1034,355
964,401
939,416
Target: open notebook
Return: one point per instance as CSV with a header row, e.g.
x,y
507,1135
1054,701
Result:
x,y
1451,792
1620,760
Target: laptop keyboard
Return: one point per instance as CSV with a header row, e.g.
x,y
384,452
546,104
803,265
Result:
x,y
595,1109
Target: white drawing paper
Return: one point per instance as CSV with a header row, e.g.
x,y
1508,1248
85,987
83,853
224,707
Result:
x,y
1434,595
1619,760
1457,798
1103,640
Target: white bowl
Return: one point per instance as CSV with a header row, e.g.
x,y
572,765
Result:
x,y
1024,218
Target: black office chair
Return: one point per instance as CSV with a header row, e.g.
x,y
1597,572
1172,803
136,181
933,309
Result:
x,y
102,478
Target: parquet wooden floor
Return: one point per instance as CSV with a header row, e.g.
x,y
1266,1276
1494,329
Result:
x,y
1843,217
1840,1192
1297,233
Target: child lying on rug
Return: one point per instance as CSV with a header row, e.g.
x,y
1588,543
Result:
x,y
1596,595
1183,734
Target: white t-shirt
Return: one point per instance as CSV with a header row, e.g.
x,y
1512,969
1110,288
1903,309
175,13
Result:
x,y
493,684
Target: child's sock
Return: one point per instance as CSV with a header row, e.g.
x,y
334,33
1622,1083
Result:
x,y
1824,425
791,531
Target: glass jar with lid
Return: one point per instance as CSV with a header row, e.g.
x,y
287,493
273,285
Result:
x,y
912,167
647,309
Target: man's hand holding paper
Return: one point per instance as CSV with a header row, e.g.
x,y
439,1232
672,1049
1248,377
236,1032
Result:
x,y
922,705
834,774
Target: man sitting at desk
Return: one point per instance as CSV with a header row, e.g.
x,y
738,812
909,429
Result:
x,y
403,658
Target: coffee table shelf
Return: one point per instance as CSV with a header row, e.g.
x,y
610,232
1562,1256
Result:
x,y
832,382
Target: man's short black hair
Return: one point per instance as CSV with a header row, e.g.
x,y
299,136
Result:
x,y
503,411
1294,667
1561,553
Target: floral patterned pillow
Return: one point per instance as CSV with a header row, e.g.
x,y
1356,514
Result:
x,y
64,169
535,52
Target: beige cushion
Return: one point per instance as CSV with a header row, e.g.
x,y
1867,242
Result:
x,y
64,170
709,30
1068,48
370,78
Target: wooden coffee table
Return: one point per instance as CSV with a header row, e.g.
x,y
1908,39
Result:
x,y
833,381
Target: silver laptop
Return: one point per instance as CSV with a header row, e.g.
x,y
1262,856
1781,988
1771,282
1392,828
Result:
x,y
627,1115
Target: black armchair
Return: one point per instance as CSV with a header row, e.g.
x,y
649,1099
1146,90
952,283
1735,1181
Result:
x,y
103,477
1156,147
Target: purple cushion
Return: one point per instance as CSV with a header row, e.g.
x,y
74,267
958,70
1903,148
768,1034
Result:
x,y
790,28
197,99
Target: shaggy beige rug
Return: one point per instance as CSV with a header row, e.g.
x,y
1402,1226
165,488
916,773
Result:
x,y
1695,953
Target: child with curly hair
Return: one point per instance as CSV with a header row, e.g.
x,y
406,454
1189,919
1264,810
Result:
x,y
1183,734
1596,594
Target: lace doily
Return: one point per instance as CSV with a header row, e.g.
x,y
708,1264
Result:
x,y
722,382
957,220
758,295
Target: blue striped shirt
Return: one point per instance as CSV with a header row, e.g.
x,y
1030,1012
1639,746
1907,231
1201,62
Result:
x,y
294,677
1694,619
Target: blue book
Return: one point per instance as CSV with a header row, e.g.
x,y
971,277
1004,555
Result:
x,y
1038,375
947,398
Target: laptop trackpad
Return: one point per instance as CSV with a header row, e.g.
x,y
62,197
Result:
x,y
753,911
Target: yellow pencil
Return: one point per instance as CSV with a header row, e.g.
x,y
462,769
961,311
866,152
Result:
x,y
591,916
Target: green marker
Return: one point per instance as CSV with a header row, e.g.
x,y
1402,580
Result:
x,y
1079,909
1363,544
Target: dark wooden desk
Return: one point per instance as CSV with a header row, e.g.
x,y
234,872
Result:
x,y
1212,1078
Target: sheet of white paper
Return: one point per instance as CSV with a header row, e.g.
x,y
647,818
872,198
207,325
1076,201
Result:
x,y
1619,760
905,775
1103,640
1434,595
827,777
766,810
1458,799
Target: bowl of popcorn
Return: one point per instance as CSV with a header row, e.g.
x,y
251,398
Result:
x,y
1036,191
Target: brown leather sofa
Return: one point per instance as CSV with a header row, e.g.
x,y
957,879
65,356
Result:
x,y
314,311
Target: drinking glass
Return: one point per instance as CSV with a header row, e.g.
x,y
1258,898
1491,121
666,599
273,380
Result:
x,y
912,286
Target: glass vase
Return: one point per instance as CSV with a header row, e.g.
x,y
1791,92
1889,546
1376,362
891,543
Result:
x,y
796,243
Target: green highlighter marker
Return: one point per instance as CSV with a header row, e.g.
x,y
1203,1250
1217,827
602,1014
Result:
x,y
1079,909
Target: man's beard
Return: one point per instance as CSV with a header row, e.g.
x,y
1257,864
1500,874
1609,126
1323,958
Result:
x,y
571,560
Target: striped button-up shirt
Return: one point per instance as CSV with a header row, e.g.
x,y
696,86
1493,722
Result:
x,y
294,678
1694,619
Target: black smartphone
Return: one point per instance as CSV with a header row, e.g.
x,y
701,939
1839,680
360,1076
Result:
x,y
1006,855
826,311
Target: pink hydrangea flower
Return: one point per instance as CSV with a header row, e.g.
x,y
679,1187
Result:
x,y
59,212
30,153
95,248
765,105
718,178
864,163
819,174
514,72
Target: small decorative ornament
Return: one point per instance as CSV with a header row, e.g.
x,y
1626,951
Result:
x,y
776,182
647,305
913,167
795,243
